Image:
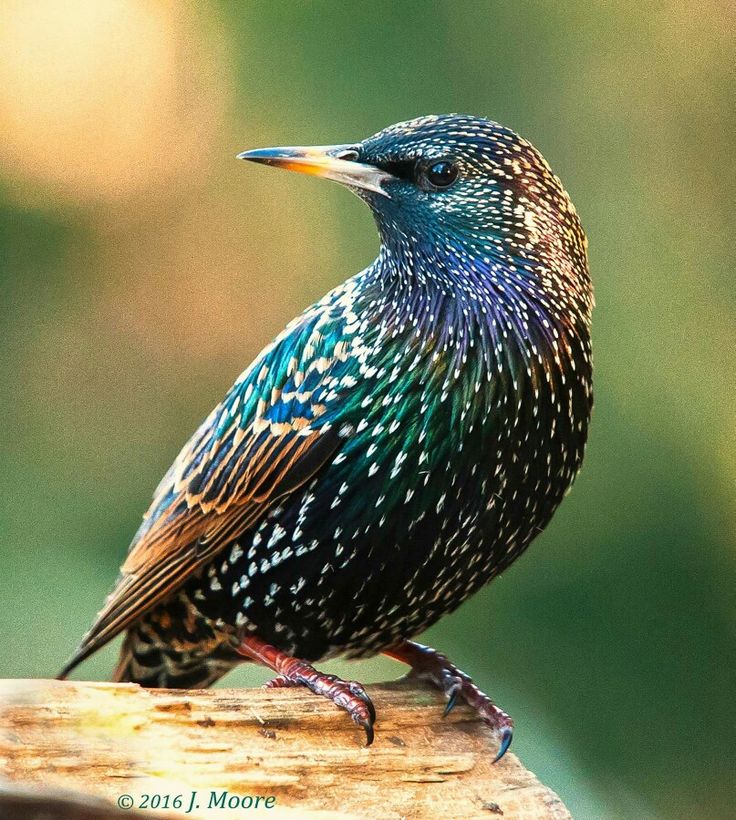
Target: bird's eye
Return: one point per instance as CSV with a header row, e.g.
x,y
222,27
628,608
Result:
x,y
439,175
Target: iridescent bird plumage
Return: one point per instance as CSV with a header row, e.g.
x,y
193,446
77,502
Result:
x,y
396,447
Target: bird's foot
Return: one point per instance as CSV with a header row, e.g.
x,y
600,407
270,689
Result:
x,y
347,695
428,664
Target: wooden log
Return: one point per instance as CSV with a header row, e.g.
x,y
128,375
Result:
x,y
215,751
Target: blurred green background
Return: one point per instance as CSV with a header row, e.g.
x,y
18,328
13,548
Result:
x,y
142,268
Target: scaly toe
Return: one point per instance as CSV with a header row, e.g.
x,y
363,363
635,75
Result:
x,y
281,682
359,691
350,696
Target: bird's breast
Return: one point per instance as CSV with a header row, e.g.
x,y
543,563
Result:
x,y
454,455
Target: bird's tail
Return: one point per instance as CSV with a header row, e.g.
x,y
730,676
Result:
x,y
160,666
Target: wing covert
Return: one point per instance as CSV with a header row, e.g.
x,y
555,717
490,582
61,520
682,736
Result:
x,y
275,429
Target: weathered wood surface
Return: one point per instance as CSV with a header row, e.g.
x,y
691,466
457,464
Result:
x,y
107,740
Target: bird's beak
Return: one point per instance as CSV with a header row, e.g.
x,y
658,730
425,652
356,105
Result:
x,y
337,162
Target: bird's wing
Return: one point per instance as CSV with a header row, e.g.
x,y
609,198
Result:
x,y
274,430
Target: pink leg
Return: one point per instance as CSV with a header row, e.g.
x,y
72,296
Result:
x,y
348,695
428,664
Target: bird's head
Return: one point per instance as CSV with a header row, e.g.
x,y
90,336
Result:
x,y
460,185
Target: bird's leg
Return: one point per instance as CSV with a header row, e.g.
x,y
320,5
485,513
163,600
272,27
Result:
x,y
428,664
348,695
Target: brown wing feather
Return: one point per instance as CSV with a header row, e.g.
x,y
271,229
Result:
x,y
190,531
266,439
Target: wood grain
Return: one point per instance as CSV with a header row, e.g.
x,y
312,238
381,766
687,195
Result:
x,y
105,740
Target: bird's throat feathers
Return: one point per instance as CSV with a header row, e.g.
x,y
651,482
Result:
x,y
482,317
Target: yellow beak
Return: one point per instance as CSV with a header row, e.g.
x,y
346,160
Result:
x,y
336,162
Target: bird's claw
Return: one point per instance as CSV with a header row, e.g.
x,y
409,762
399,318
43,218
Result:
x,y
451,692
506,737
489,713
359,692
427,664
492,716
368,728
348,695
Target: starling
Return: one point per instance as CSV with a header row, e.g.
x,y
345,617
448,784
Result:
x,y
395,448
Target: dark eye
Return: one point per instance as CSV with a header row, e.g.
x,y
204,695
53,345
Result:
x,y
440,174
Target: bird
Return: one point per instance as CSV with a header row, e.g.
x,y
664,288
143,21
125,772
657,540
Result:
x,y
393,450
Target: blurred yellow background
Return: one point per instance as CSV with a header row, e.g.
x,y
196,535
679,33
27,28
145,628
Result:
x,y
142,267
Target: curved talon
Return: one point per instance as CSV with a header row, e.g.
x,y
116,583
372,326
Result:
x,y
452,696
368,727
506,738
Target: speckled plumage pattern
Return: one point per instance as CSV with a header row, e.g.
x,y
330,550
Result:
x,y
397,446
